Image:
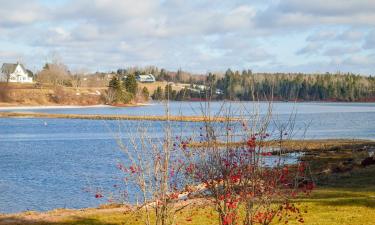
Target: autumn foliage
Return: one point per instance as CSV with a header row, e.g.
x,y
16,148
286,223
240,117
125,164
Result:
x,y
246,184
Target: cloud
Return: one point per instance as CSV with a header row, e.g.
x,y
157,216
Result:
x,y
335,44
341,50
370,40
310,49
197,35
328,8
322,35
351,35
296,14
104,11
20,13
7,54
360,60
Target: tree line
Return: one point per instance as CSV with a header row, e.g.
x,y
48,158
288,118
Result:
x,y
123,90
247,86
230,85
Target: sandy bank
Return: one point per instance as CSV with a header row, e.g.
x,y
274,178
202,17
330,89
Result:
x,y
27,107
53,107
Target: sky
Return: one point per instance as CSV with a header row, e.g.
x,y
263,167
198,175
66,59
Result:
x,y
195,35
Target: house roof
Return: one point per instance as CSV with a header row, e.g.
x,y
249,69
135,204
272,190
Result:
x,y
9,68
146,76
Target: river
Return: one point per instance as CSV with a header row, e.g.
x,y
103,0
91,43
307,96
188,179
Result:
x,y
49,163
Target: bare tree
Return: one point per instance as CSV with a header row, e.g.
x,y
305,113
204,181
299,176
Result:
x,y
55,73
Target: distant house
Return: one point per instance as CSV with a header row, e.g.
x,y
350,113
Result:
x,y
16,73
219,91
149,78
200,87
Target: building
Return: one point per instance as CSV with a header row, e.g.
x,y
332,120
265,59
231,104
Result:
x,y
15,73
149,78
200,87
219,91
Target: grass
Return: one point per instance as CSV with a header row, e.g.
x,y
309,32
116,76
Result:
x,y
339,147
108,117
15,94
151,87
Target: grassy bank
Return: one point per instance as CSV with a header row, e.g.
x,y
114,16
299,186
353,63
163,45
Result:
x,y
19,94
290,146
15,94
106,117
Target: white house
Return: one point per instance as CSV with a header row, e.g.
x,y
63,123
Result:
x,y
149,78
200,87
15,72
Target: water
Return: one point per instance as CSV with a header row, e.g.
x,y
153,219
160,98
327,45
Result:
x,y
49,163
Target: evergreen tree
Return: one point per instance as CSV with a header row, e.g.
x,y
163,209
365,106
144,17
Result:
x,y
117,91
131,84
169,93
158,94
145,93
114,82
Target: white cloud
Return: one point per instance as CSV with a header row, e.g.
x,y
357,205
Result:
x,y
310,49
351,35
328,8
296,14
9,54
341,50
197,35
20,13
323,35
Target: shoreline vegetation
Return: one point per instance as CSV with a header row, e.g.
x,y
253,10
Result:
x,y
122,89
15,105
52,106
296,146
337,195
110,117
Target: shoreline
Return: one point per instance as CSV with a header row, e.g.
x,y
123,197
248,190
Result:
x,y
53,107
5,105
12,107
298,145
112,117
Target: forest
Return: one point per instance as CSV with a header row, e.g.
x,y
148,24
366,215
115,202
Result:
x,y
245,85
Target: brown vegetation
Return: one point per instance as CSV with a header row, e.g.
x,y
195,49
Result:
x,y
107,117
29,94
290,146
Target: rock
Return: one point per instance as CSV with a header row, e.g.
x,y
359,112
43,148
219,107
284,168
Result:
x,y
368,161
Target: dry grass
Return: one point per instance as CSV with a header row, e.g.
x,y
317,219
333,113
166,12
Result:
x,y
14,94
300,145
153,86
107,117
